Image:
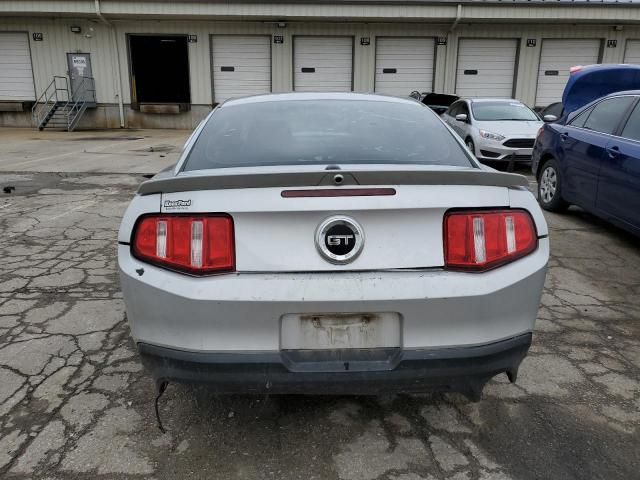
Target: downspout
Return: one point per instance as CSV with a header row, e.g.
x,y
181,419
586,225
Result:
x,y
448,80
455,22
115,59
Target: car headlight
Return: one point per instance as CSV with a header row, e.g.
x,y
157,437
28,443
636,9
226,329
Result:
x,y
491,136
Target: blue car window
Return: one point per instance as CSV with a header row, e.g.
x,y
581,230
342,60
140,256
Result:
x,y
607,114
580,119
632,128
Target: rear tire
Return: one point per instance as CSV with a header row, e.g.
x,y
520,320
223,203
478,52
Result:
x,y
550,187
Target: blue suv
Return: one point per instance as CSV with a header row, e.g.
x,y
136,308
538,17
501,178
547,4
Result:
x,y
591,158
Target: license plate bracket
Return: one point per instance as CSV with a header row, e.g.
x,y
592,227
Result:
x,y
340,331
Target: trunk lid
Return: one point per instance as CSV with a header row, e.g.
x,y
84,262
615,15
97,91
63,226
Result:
x,y
274,233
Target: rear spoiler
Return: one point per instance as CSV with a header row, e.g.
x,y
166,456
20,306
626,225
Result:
x,y
189,183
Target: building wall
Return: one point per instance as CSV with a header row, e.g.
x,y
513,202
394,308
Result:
x,y
109,48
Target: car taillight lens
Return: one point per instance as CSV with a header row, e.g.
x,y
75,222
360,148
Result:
x,y
481,240
197,244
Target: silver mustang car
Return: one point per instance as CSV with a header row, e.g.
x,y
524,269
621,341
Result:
x,y
331,243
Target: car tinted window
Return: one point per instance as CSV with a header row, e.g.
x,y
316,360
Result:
x,y
553,109
496,111
455,109
632,128
606,115
302,132
580,119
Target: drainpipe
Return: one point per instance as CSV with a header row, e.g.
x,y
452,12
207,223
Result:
x,y
455,22
115,59
448,80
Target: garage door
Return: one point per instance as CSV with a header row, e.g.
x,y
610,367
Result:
x,y
632,52
16,76
486,67
404,65
323,64
556,58
241,65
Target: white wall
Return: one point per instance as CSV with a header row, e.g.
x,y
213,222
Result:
x,y
49,56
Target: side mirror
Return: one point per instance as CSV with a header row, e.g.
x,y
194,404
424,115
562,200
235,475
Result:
x,y
462,117
549,118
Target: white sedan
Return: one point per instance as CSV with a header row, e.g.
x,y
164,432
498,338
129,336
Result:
x,y
495,129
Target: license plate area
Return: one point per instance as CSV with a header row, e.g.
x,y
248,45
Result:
x,y
340,331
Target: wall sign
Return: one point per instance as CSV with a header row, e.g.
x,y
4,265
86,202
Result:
x,y
278,39
441,40
531,42
37,36
612,43
192,38
365,40
79,63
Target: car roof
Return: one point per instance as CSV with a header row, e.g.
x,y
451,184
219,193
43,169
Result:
x,y
481,100
293,96
625,92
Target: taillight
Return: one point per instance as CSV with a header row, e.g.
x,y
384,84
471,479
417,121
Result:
x,y
197,244
481,240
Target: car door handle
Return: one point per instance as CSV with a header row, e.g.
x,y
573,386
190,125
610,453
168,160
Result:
x,y
564,136
613,151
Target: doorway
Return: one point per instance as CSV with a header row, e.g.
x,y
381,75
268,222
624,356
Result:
x,y
159,69
81,77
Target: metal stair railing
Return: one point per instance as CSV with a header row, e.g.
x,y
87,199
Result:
x,y
55,93
83,94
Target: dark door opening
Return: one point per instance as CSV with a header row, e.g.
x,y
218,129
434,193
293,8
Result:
x,y
159,69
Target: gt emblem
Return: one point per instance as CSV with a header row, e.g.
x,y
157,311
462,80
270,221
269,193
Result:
x,y
339,239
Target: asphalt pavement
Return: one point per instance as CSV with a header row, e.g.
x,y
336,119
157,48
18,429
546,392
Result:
x,y
75,402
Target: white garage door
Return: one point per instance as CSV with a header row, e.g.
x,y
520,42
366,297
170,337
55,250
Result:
x,y
323,64
16,76
556,59
241,65
632,52
486,67
404,65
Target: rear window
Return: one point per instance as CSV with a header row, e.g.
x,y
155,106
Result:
x,y
500,111
301,132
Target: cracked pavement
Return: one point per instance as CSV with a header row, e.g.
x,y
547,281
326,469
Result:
x,y
75,402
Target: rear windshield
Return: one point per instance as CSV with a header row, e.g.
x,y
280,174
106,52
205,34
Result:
x,y
301,132
497,111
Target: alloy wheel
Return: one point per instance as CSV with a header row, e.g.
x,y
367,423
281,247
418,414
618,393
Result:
x,y
548,184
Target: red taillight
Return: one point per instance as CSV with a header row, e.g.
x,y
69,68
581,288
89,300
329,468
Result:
x,y
197,244
481,240
575,69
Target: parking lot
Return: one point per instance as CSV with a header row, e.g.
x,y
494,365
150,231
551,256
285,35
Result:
x,y
75,402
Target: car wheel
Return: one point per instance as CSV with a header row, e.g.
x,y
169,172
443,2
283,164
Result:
x,y
550,187
471,146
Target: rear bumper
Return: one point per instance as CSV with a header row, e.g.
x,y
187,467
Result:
x,y
244,311
460,369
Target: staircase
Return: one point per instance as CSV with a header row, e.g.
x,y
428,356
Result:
x,y
61,107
